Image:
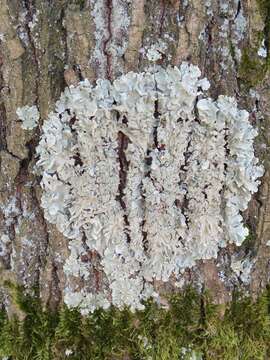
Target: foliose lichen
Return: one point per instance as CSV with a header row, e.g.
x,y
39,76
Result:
x,y
144,175
29,115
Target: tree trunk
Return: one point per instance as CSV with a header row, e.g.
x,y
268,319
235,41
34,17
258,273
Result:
x,y
48,45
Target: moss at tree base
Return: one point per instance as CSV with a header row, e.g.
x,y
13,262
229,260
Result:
x,y
191,328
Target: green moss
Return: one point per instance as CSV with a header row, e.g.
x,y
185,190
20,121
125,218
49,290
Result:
x,y
32,337
193,326
264,6
252,69
80,3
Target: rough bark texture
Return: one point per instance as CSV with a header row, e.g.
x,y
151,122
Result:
x,y
47,45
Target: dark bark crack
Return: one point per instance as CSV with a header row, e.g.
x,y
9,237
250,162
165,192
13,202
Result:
x,y
239,6
55,295
123,142
162,17
185,202
3,115
20,181
3,128
155,131
148,163
106,51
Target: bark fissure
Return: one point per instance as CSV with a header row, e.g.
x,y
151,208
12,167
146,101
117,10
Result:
x,y
28,6
20,181
185,203
162,17
148,162
3,129
123,142
55,295
106,50
3,115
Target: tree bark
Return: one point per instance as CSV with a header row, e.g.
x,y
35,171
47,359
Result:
x,y
47,45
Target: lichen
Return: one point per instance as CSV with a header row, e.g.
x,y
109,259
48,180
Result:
x,y
242,268
156,51
140,174
262,51
29,115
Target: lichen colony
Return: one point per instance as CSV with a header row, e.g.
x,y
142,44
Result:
x,y
146,174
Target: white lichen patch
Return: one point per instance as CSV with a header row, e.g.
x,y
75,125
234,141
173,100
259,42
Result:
x,y
240,24
262,51
238,31
29,115
4,243
188,354
156,51
139,173
208,6
242,268
68,352
153,54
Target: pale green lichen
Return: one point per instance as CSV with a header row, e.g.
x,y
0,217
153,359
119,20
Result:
x,y
187,205
29,115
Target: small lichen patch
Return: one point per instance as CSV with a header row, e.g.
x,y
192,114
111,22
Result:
x,y
68,352
242,268
4,243
153,54
29,115
156,51
143,176
262,52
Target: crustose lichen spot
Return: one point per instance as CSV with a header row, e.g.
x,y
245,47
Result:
x,y
147,178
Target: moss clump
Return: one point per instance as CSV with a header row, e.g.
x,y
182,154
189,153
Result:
x,y
80,3
31,338
264,6
252,70
191,328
